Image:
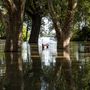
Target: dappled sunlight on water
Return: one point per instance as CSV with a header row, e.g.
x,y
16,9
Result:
x,y
46,71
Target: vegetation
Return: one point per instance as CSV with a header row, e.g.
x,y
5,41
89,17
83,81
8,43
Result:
x,y
13,20
82,35
67,16
2,31
71,21
25,34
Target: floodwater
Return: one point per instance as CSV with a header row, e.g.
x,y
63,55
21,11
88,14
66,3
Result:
x,y
46,70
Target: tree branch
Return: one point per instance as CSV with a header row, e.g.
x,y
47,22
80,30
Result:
x,y
72,4
54,16
2,13
28,12
10,5
51,9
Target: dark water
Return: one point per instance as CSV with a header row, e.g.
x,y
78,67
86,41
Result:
x,y
46,71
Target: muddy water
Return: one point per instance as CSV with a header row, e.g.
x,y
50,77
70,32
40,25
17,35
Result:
x,y
46,71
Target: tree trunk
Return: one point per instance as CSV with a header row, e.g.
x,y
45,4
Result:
x,y
8,39
14,27
13,33
63,33
36,23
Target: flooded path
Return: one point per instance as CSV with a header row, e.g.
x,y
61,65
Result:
x,y
46,71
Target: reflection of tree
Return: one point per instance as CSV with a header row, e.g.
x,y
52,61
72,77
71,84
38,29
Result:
x,y
63,74
1,85
32,78
37,71
13,71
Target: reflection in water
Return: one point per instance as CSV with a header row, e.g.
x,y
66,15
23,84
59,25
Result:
x,y
66,66
81,65
14,71
53,72
47,57
32,76
26,52
46,71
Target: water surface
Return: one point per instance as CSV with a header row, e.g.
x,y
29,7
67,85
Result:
x,y
46,71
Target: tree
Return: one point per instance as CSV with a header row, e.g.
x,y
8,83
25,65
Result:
x,y
35,9
63,32
15,11
63,29
2,20
82,19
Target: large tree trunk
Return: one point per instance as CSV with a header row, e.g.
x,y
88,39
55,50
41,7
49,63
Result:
x,y
63,33
64,41
14,27
13,31
36,23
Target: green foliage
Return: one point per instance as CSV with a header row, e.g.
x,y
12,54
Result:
x,y
24,30
36,6
25,34
81,35
82,21
83,11
2,30
60,7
